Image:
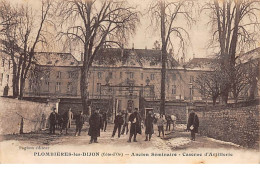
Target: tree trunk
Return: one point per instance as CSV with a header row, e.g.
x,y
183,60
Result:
x,y
163,76
22,85
164,55
83,90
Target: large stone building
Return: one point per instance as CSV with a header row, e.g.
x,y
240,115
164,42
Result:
x,y
119,79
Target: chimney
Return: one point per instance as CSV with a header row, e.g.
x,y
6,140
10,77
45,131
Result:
x,y
193,55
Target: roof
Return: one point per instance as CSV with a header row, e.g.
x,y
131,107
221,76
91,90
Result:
x,y
146,58
55,59
250,55
200,63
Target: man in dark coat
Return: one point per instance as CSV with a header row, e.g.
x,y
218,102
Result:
x,y
135,128
80,119
168,122
119,121
193,124
53,121
95,124
149,126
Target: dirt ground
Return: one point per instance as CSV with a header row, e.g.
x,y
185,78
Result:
x,y
177,141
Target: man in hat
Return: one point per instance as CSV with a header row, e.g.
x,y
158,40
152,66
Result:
x,y
95,124
193,124
53,121
135,127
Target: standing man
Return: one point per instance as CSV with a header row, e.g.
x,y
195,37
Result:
x,y
149,126
168,122
160,124
125,126
95,124
119,121
52,121
80,119
135,128
67,118
193,124
104,115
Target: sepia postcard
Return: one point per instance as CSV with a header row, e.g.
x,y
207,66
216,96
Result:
x,y
129,81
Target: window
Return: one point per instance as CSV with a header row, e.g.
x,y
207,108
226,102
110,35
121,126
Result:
x,y
99,75
131,75
57,88
191,79
3,62
131,88
110,75
152,76
142,76
59,75
47,74
173,89
70,74
1,79
121,75
98,87
69,87
173,76
7,79
47,86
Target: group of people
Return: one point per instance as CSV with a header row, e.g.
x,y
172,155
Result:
x,y
63,122
98,122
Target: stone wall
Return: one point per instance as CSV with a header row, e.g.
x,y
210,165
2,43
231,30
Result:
x,y
179,109
239,125
13,111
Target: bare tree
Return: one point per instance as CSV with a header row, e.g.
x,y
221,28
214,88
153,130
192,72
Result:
x,y
235,26
208,84
165,14
20,37
92,24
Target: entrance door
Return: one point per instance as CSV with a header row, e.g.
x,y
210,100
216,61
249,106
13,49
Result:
x,y
130,105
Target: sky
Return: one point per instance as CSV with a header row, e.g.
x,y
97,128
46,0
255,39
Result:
x,y
146,34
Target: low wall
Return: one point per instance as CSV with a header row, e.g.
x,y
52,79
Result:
x,y
13,110
239,125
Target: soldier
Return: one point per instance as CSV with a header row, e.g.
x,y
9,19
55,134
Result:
x,y
160,124
119,121
149,126
53,121
95,124
193,124
80,119
135,128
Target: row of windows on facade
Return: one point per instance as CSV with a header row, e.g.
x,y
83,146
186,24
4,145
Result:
x,y
130,75
110,75
2,79
57,86
70,74
174,89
